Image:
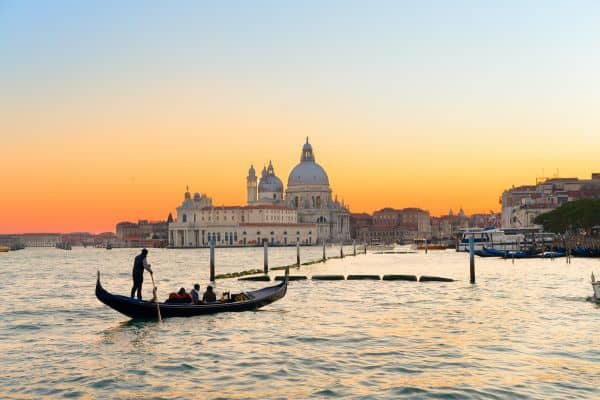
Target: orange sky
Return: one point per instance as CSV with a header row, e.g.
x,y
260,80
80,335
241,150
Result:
x,y
109,114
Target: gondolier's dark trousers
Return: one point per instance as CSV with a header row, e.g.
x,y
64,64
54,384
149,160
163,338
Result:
x,y
137,286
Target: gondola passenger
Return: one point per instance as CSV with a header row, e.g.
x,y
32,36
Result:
x,y
195,293
209,296
180,297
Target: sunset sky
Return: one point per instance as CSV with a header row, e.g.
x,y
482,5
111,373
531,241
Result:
x,y
109,109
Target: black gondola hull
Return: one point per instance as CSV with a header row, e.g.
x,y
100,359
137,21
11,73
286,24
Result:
x,y
138,309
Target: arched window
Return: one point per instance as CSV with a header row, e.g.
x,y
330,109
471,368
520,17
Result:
x,y
184,218
318,201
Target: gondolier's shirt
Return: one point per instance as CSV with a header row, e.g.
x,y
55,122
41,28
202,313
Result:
x,y
139,266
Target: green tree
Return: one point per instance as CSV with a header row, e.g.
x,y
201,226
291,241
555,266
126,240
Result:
x,y
579,214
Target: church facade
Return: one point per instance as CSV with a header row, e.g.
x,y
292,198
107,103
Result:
x,y
304,213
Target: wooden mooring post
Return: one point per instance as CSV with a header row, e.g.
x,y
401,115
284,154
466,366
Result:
x,y
298,254
472,259
342,249
212,261
266,258
324,250
354,247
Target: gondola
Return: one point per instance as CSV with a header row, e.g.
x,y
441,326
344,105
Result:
x,y
139,309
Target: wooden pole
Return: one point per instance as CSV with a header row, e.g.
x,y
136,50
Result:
x,y
342,249
354,246
154,292
472,259
324,252
298,254
266,266
212,260
425,246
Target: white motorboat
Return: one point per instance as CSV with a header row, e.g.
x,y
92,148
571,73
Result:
x,y
490,238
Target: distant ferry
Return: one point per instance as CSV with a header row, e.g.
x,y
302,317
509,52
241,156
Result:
x,y
490,238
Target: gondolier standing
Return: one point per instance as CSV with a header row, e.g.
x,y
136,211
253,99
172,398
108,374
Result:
x,y
139,265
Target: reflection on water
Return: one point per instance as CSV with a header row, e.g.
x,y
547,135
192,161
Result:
x,y
524,331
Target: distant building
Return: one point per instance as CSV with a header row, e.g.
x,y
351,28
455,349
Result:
x,y
520,205
197,226
400,226
360,226
40,239
305,212
142,233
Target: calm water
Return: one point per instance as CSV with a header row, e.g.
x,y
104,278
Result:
x,y
524,331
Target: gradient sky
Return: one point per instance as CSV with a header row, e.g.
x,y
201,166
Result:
x,y
109,109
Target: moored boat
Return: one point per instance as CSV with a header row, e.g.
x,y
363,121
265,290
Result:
x,y
140,309
489,238
4,249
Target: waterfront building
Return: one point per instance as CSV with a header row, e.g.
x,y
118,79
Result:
x,y
304,213
400,226
520,205
255,224
144,233
360,226
40,239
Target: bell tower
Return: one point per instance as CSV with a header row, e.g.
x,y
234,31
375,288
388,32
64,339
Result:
x,y
251,186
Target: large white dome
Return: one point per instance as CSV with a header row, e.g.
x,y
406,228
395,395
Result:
x,y
308,172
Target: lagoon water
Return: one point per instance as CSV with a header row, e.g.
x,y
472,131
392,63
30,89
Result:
x,y
523,331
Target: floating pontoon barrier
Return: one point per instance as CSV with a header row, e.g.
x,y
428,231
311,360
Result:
x,y
328,277
292,278
411,278
259,278
434,279
363,278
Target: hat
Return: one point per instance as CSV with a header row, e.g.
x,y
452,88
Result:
x,y
145,251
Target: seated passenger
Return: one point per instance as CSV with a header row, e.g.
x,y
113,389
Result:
x,y
209,296
180,297
195,292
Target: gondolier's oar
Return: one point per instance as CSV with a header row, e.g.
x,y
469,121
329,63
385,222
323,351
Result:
x,y
154,299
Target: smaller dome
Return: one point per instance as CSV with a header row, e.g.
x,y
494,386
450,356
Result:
x,y
251,171
196,196
270,183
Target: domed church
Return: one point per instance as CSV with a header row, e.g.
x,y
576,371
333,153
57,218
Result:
x,y
308,192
